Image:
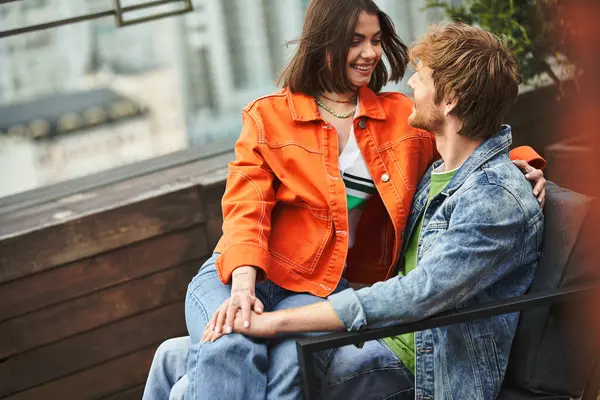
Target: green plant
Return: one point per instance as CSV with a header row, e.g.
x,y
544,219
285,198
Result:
x,y
534,30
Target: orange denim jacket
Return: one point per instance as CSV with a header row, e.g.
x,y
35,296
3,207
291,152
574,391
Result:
x,y
284,207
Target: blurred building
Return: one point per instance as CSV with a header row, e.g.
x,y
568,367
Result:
x,y
132,49
70,135
193,73
233,52
91,62
43,62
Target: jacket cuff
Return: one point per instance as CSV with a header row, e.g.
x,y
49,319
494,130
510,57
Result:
x,y
349,309
239,255
528,154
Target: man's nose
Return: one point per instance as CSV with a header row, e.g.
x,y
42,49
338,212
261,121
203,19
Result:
x,y
410,82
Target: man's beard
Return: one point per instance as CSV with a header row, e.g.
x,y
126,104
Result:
x,y
432,122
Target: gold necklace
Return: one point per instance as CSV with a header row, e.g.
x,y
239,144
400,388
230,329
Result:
x,y
335,114
339,101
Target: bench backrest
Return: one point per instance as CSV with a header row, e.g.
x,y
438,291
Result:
x,y
553,352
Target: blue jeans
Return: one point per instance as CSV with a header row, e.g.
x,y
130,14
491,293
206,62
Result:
x,y
167,379
239,367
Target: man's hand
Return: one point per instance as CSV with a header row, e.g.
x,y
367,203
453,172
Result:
x,y
243,297
318,317
536,178
263,325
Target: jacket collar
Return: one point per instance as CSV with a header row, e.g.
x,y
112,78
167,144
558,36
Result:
x,y
303,107
495,145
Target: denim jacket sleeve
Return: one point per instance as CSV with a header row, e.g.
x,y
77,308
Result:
x,y
480,246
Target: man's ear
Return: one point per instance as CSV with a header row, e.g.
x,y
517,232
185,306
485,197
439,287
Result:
x,y
449,105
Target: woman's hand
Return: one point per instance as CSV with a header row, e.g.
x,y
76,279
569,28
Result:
x,y
263,325
536,177
242,298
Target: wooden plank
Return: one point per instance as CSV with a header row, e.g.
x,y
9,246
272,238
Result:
x,y
211,199
33,368
97,382
44,249
134,393
117,195
91,311
102,271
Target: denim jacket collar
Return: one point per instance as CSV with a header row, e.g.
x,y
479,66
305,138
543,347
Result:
x,y
304,108
499,143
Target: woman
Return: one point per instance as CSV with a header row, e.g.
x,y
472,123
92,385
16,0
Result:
x,y
325,170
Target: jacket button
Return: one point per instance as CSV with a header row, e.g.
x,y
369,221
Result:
x,y
362,123
385,177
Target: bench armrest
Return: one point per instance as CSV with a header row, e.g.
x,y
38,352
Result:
x,y
307,346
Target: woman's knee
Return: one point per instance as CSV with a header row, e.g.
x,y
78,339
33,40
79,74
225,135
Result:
x,y
205,294
232,349
173,349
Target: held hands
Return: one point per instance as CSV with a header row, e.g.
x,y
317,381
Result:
x,y
242,299
536,178
263,325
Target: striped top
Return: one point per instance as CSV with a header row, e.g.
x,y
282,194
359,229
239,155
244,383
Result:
x,y
359,185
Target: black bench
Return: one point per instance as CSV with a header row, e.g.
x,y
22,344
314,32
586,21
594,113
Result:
x,y
555,354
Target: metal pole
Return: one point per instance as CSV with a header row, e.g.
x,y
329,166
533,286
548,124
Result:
x,y
117,12
307,371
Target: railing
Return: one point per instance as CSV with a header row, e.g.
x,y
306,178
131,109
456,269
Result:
x,y
118,12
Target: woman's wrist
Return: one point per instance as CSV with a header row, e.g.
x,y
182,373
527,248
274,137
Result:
x,y
243,278
244,270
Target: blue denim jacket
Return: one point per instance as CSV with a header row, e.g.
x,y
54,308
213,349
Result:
x,y
480,242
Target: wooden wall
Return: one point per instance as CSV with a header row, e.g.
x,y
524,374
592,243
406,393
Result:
x,y
90,285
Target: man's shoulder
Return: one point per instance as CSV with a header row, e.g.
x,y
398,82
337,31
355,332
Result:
x,y
502,183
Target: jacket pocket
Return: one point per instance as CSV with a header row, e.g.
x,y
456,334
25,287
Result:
x,y
429,235
298,236
409,160
489,352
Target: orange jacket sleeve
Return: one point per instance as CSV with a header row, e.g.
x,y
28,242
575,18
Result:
x,y
247,204
528,154
525,153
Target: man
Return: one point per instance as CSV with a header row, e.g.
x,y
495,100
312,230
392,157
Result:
x,y
474,235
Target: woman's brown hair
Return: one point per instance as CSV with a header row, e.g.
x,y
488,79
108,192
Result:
x,y
319,63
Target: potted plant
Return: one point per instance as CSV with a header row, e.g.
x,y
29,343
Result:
x,y
538,34
534,30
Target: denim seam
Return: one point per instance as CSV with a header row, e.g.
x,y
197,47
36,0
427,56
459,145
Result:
x,y
409,136
492,357
281,257
193,380
460,297
397,393
287,143
387,348
199,285
472,356
377,369
401,172
199,304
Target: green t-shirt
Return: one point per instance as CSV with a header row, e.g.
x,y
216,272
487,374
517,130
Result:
x,y
404,345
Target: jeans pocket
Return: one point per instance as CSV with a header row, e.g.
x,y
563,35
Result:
x,y
491,356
